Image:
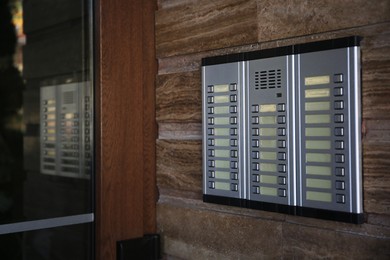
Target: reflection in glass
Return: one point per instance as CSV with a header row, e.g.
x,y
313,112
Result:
x,y
44,49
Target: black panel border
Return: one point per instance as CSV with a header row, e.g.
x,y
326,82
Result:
x,y
224,200
340,216
344,42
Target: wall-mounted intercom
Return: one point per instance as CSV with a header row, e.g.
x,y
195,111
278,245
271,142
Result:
x,y
282,129
66,130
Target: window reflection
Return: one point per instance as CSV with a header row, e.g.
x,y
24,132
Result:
x,y
45,140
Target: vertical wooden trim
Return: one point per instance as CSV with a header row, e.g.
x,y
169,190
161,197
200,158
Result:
x,y
150,125
125,122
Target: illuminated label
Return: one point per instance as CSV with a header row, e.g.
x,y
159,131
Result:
x,y
221,88
267,119
268,143
51,138
222,186
51,131
318,170
319,196
51,116
317,106
69,116
222,175
318,145
51,109
317,119
268,179
317,131
318,157
51,102
221,99
50,152
222,153
267,131
222,164
221,120
317,93
222,142
317,80
316,183
268,108
221,110
68,123
268,155
221,131
268,191
51,124
268,167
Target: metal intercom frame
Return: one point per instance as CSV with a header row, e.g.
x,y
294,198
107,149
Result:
x,y
66,130
281,129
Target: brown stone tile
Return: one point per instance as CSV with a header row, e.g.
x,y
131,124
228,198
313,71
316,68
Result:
x,y
185,131
302,242
376,177
280,19
178,97
179,165
193,233
203,25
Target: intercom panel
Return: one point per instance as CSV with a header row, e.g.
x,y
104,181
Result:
x,y
222,110
281,129
66,136
329,133
269,129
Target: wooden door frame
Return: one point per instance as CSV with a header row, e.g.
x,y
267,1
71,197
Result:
x,y
125,128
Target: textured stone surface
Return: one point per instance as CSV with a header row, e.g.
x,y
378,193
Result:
x,y
203,25
179,97
192,26
286,19
178,131
317,243
189,232
190,228
179,165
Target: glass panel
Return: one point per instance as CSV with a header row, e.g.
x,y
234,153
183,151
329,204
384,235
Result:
x,y
268,191
222,131
221,99
268,108
317,106
222,186
222,164
317,119
62,243
317,131
267,131
317,183
46,112
222,153
318,170
222,175
268,167
221,110
221,120
318,157
319,196
222,142
317,93
317,144
221,88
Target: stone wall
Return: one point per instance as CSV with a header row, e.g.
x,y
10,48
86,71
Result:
x,y
187,31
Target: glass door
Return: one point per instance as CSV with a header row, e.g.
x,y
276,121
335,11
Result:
x,y
46,129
